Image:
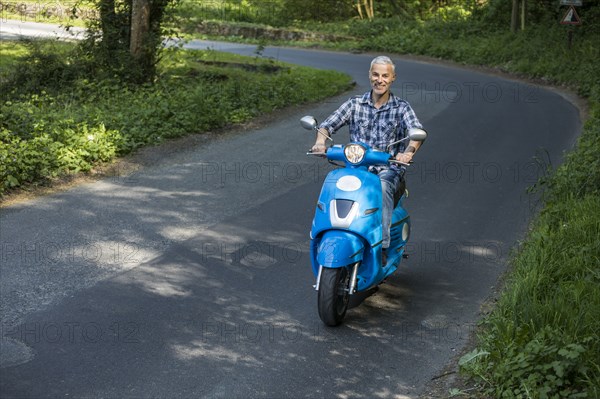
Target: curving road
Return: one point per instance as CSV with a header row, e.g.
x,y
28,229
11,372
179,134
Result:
x,y
191,278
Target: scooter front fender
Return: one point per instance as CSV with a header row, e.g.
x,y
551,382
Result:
x,y
339,248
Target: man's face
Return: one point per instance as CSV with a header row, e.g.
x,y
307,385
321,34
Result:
x,y
381,77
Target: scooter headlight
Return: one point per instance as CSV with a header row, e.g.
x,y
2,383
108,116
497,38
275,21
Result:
x,y
354,153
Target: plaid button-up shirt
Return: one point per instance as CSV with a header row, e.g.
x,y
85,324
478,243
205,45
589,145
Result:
x,y
374,127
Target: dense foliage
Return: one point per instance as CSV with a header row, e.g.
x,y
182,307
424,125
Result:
x,y
287,12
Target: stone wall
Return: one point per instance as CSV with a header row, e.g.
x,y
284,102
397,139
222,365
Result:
x,y
254,32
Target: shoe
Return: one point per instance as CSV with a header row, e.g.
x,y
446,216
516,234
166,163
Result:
x,y
384,257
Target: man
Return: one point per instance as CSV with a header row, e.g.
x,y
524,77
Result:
x,y
377,118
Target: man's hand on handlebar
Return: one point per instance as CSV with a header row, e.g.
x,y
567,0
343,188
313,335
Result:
x,y
405,157
319,148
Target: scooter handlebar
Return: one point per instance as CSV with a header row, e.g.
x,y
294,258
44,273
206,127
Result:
x,y
322,154
400,163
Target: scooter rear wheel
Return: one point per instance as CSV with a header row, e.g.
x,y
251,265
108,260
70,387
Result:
x,y
333,295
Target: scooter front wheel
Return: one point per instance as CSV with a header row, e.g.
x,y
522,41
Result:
x,y
334,295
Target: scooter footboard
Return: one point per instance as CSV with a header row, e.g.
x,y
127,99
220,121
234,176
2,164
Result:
x,y
338,248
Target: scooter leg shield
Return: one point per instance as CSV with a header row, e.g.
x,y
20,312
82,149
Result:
x,y
339,248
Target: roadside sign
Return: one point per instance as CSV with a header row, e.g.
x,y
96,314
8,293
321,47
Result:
x,y
577,3
571,17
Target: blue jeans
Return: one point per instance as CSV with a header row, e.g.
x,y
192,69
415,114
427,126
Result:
x,y
390,178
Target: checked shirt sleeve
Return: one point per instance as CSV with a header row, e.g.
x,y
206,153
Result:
x,y
338,118
409,118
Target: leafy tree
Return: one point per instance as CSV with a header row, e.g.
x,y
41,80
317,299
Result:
x,y
126,37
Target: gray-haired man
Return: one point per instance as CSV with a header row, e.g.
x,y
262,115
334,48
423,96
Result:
x,y
378,118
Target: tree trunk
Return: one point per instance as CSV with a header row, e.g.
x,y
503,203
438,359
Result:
x,y
140,27
358,6
523,10
370,10
514,16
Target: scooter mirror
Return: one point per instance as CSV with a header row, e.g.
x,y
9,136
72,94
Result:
x,y
308,122
416,134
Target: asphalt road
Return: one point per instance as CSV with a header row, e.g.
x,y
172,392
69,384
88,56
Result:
x,y
191,278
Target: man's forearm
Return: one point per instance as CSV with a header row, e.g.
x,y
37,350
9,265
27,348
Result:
x,y
322,136
412,147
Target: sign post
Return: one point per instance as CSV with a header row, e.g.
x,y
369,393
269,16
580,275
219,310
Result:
x,y
571,17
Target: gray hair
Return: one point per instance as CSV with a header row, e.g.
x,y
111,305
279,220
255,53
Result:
x,y
382,59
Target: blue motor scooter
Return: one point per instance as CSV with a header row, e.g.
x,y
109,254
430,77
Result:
x,y
346,234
